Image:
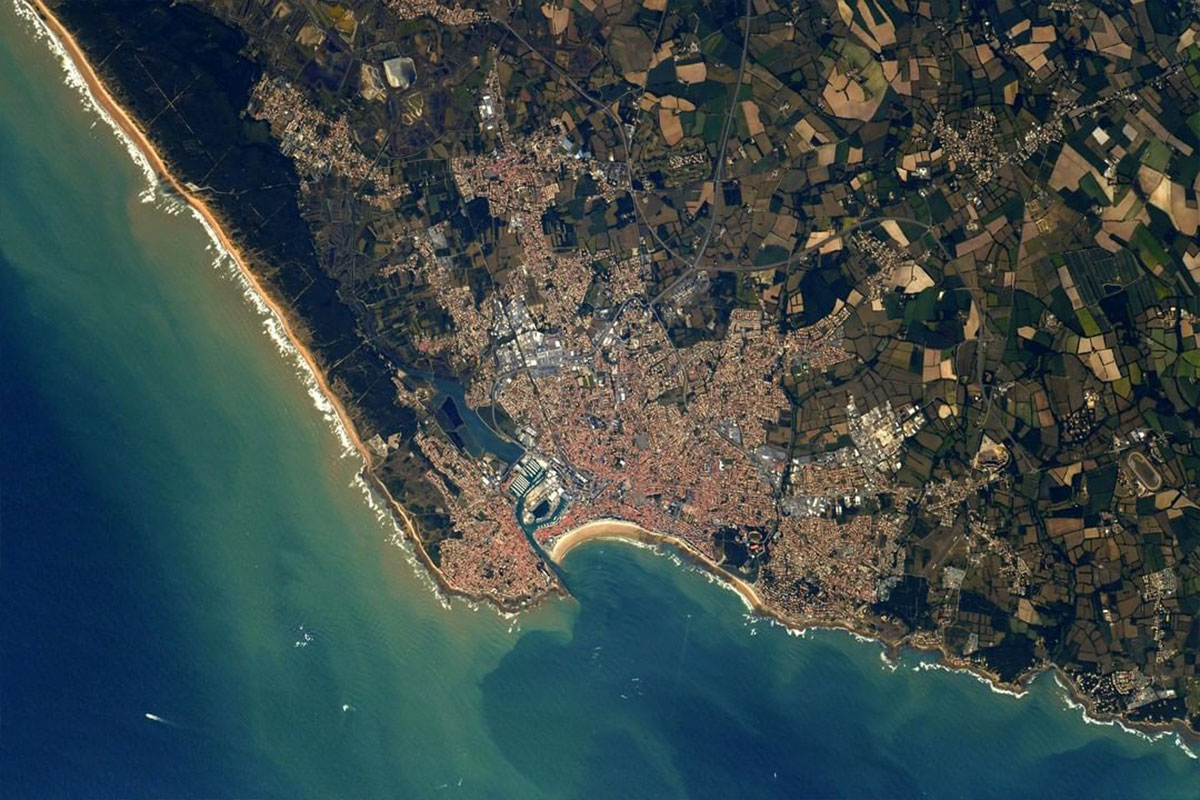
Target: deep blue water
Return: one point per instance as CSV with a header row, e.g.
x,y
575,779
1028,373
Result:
x,y
180,536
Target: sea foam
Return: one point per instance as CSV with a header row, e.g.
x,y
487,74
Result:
x,y
274,328
74,78
171,204
225,262
1113,722
925,666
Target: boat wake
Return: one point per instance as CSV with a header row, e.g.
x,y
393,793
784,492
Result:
x,y
161,720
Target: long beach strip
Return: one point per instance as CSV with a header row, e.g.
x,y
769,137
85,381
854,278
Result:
x,y
133,133
596,530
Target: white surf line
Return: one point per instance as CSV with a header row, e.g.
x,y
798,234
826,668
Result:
x,y
272,324
1064,692
1114,722
273,327
399,538
227,264
74,79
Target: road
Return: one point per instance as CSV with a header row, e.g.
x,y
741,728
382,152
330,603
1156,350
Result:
x,y
630,161
693,265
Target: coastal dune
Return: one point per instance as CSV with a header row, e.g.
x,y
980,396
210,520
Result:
x,y
135,135
611,529
600,529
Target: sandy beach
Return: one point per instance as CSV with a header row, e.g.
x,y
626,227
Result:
x,y
622,530
600,529
131,129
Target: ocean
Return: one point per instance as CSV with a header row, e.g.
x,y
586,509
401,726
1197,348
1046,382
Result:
x,y
198,599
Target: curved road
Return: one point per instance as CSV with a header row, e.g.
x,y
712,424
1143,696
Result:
x,y
630,161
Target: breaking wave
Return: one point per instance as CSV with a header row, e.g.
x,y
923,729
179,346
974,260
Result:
x,y
74,79
167,201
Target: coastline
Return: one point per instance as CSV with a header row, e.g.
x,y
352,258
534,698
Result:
x,y
600,529
622,530
132,131
610,529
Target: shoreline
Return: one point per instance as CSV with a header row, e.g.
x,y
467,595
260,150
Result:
x,y
621,530
611,529
599,529
131,130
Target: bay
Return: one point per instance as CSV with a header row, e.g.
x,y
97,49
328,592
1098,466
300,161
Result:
x,y
197,599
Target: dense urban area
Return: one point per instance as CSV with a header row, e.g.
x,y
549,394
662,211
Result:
x,y
889,309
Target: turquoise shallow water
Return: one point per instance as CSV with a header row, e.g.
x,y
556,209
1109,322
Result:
x,y
180,536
